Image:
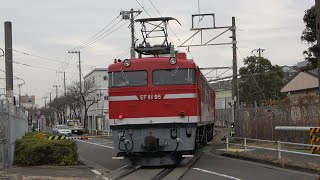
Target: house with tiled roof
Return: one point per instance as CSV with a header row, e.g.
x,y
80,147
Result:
x,y
302,84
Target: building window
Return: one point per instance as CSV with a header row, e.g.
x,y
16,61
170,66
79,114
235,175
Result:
x,y
105,78
105,97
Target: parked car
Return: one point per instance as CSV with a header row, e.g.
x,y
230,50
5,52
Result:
x,y
75,126
61,130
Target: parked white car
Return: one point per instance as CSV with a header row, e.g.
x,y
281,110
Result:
x,y
61,130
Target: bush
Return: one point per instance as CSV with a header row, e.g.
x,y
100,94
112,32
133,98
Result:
x,y
31,151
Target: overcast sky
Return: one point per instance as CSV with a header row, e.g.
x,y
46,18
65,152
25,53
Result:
x,y
50,28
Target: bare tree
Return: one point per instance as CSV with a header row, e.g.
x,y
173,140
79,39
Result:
x,y
86,98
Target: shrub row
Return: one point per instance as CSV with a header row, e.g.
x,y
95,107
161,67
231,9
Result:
x,y
31,151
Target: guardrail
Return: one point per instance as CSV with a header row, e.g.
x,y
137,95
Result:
x,y
279,146
104,133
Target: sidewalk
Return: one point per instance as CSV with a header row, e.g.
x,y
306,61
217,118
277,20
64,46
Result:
x,y
49,173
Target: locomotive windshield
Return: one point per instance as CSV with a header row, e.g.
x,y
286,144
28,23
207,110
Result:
x,y
128,78
174,76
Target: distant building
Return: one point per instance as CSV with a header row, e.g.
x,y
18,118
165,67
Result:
x,y
28,102
98,113
303,83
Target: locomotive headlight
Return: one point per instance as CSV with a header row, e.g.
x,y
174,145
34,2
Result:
x,y
172,60
127,63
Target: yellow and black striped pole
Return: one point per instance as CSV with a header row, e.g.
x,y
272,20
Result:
x,y
314,140
57,137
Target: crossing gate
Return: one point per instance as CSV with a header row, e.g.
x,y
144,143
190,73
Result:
x,y
57,137
314,140
84,137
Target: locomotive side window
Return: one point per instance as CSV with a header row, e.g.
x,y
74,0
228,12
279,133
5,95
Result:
x,y
128,78
174,76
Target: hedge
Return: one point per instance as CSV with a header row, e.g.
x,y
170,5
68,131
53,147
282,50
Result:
x,y
31,151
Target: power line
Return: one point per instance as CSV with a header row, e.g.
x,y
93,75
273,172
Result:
x,y
96,35
105,35
13,76
143,8
23,64
41,57
67,62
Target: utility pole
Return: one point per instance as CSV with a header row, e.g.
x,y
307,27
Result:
x,y
130,15
8,58
56,86
45,101
50,96
259,50
235,95
317,7
78,52
64,83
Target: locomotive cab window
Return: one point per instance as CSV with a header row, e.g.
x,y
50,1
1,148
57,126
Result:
x,y
128,78
174,76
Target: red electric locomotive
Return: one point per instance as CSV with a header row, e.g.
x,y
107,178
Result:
x,y
161,107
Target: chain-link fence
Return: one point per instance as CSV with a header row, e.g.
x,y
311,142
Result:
x,y
13,125
260,123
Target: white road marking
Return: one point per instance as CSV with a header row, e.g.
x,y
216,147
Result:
x,y
95,144
218,174
120,168
96,172
99,174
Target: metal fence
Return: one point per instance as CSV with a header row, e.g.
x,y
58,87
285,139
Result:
x,y
279,146
13,125
259,123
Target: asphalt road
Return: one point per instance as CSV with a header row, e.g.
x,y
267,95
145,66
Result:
x,y
98,154
217,167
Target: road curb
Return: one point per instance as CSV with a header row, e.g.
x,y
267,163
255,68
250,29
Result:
x,y
277,164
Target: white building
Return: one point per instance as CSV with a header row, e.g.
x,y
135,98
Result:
x,y
98,113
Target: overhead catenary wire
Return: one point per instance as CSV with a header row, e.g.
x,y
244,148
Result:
x,y
168,25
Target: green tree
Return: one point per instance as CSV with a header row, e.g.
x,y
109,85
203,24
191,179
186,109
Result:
x,y
309,36
260,80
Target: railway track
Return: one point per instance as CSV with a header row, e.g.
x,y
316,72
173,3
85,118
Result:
x,y
157,173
